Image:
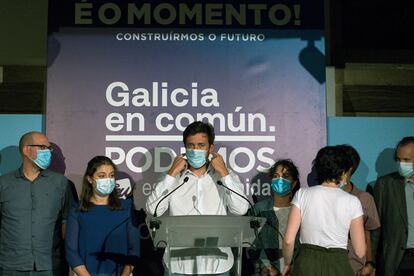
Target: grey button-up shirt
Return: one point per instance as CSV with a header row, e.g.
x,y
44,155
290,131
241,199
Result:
x,y
31,215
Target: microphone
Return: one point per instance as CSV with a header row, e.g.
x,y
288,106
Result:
x,y
254,224
194,198
155,224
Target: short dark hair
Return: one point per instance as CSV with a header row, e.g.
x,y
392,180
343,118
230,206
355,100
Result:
x,y
292,169
87,189
199,127
331,163
404,141
353,154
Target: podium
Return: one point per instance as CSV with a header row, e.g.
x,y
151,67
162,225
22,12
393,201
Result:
x,y
205,232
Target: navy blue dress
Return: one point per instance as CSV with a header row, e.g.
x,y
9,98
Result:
x,y
101,239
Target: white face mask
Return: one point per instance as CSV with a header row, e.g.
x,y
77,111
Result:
x,y
405,169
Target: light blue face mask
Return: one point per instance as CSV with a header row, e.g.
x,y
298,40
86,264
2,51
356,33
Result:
x,y
43,158
405,169
105,186
281,186
196,158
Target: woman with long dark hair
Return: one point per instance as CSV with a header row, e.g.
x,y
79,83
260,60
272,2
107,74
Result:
x,y
101,238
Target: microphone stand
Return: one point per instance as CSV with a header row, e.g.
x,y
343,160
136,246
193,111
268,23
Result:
x,y
254,223
155,223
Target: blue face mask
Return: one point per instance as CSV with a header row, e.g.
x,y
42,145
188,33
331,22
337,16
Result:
x,y
196,158
281,186
405,169
43,158
105,186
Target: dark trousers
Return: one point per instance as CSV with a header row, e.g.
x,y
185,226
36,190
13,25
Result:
x,y
30,273
314,260
406,267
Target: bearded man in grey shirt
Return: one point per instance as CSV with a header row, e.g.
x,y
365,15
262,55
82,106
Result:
x,y
34,202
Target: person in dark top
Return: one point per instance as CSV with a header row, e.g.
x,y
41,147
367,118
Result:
x,y
34,204
393,242
267,259
101,238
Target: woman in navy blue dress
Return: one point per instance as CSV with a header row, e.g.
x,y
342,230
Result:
x,y
101,238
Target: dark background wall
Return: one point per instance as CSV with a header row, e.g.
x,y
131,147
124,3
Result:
x,y
369,57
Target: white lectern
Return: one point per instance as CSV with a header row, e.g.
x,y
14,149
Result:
x,y
205,232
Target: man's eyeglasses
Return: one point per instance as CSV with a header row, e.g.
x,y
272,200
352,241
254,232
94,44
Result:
x,y
42,147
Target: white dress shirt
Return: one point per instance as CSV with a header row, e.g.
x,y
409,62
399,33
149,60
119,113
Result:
x,y
199,196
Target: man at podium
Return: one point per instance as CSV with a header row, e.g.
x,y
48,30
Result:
x,y
198,177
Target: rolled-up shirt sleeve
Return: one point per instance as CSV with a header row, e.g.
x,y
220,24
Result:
x,y
235,203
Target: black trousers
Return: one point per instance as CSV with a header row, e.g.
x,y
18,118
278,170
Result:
x,y
406,267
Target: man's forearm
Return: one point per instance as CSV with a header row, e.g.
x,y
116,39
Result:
x,y
374,240
368,242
